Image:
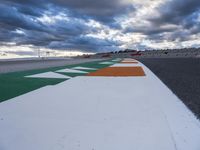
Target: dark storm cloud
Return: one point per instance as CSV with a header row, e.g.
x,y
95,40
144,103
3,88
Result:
x,y
38,3
183,13
176,11
89,44
150,30
177,21
31,11
22,22
22,15
59,32
11,19
102,10
27,7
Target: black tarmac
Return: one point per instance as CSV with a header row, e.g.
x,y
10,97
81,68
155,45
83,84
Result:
x,y
181,75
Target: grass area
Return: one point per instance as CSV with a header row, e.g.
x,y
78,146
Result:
x,y
15,84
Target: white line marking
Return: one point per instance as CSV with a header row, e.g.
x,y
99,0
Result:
x,y
83,68
125,65
48,75
71,71
128,59
106,63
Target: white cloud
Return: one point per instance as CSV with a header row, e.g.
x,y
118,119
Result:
x,y
52,19
65,27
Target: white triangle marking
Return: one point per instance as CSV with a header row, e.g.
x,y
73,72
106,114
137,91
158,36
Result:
x,y
48,75
105,63
71,71
83,68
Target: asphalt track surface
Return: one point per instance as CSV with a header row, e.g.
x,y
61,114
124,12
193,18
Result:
x,y
22,65
181,75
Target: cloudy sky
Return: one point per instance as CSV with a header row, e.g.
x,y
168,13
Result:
x,y
97,25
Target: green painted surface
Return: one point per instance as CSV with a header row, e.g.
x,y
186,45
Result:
x,y
15,84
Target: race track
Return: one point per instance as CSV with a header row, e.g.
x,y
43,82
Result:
x,y
122,105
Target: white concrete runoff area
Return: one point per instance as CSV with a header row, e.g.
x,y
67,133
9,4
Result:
x,y
48,75
128,59
83,68
71,71
126,65
99,113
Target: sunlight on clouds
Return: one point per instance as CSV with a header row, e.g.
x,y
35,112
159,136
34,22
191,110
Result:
x,y
94,24
52,19
96,27
192,43
19,31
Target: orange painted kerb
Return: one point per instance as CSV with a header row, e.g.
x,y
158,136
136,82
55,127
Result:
x,y
119,71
